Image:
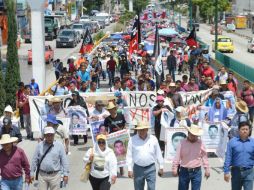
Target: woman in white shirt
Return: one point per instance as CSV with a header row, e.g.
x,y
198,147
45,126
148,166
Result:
x,y
104,165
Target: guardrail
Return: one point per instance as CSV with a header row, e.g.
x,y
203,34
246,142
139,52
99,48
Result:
x,y
241,69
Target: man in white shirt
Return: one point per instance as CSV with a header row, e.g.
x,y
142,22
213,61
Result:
x,y
143,152
99,112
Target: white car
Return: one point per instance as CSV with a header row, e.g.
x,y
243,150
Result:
x,y
84,18
103,16
250,46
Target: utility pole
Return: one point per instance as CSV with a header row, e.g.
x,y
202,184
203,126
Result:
x,y
190,13
131,5
216,25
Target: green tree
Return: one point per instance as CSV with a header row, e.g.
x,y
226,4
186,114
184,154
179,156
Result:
x,y
207,8
2,90
138,5
12,73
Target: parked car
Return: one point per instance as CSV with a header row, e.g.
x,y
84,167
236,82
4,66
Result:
x,y
104,16
66,38
102,24
84,18
27,37
49,55
194,24
225,44
80,28
250,46
96,26
219,30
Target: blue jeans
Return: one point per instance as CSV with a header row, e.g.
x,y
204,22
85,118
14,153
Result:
x,y
141,174
172,73
251,113
13,184
185,177
242,179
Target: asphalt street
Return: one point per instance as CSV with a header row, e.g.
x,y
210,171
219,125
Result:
x,y
215,182
240,43
60,53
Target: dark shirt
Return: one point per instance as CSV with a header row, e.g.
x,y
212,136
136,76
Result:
x,y
115,124
239,153
176,99
171,62
157,119
111,65
202,86
11,166
13,132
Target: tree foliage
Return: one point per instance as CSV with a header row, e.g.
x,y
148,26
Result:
x,y
127,16
92,5
207,7
2,90
12,77
138,5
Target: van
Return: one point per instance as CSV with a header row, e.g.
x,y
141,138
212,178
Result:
x,y
225,44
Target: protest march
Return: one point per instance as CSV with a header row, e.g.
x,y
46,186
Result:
x,y
149,97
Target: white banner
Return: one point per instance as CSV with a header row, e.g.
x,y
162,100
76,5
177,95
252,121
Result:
x,y
118,141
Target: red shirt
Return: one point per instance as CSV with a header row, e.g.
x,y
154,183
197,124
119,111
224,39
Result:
x,y
111,65
248,97
25,107
11,166
208,72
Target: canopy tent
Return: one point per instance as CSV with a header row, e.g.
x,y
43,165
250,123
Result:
x,y
116,36
167,32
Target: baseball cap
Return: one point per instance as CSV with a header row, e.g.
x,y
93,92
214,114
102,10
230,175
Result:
x,y
49,130
52,119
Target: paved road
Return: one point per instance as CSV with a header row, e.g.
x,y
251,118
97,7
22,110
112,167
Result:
x,y
61,53
215,182
240,44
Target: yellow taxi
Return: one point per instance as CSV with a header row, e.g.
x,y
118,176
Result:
x,y
225,44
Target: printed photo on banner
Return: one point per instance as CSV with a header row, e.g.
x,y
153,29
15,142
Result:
x,y
212,135
221,149
97,127
166,117
173,138
118,141
78,120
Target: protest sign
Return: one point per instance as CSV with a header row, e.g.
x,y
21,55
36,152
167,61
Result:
x,y
140,99
221,149
95,129
134,115
173,138
118,141
166,117
78,120
211,136
229,103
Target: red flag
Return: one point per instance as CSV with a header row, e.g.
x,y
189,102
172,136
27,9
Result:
x,y
87,44
134,37
191,39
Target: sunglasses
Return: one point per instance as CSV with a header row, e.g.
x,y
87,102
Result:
x,y
101,142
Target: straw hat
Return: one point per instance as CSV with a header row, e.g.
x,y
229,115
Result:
x,y
110,106
223,82
142,125
56,100
242,106
195,130
101,136
8,109
160,92
6,139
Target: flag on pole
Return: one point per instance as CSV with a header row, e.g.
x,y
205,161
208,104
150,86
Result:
x,y
87,44
133,45
139,33
158,63
191,40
